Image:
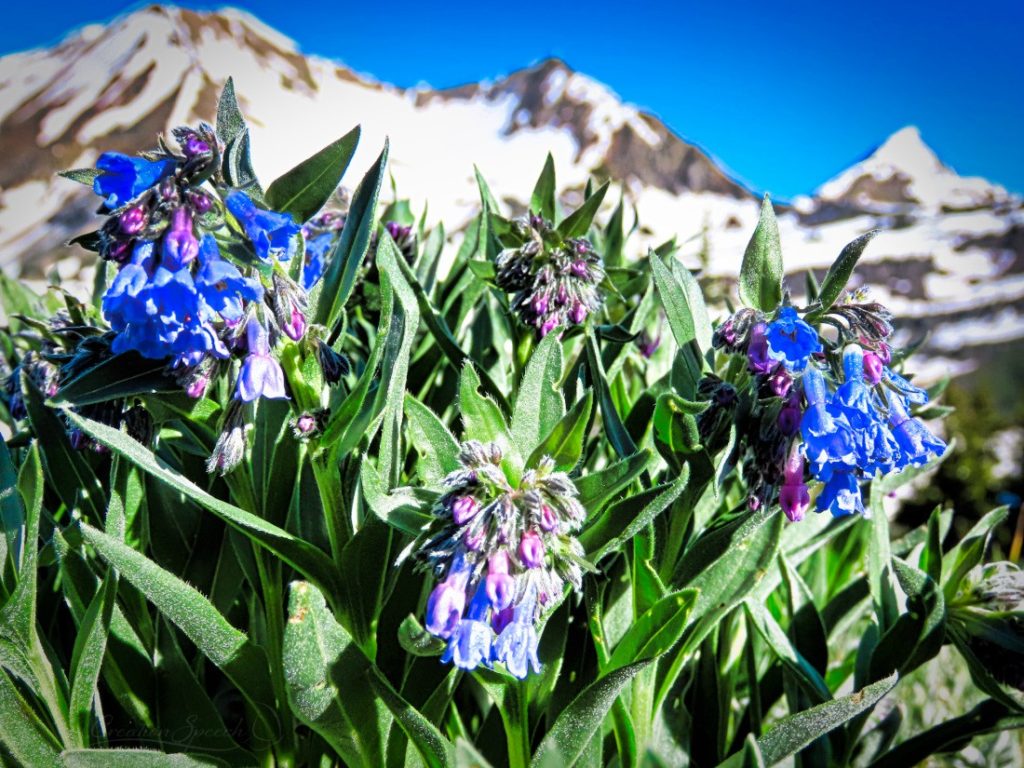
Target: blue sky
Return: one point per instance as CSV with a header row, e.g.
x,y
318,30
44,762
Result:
x,y
784,95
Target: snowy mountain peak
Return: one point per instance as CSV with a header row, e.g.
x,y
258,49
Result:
x,y
904,172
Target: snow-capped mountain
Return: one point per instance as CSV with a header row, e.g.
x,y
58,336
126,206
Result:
x,y
950,258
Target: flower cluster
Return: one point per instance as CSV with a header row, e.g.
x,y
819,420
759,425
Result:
x,y
502,554
553,281
831,412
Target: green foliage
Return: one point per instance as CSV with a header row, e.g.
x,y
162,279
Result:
x,y
152,613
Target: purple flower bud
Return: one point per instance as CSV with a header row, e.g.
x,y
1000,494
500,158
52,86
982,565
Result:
x,y
753,502
195,146
884,354
562,296
305,424
200,203
180,246
197,387
499,585
445,607
501,619
728,333
648,345
582,246
579,269
169,190
578,313
794,500
548,326
780,382
548,518
296,326
464,509
539,304
789,419
133,220
757,351
119,251
531,550
873,368
474,538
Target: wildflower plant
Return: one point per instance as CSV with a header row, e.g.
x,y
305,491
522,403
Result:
x,y
239,526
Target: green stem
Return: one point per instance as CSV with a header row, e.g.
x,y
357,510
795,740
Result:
x,y
517,730
328,483
270,578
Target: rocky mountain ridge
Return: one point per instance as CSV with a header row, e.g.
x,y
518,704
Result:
x,y
950,258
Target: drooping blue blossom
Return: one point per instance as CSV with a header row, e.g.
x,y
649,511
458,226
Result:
x,y
828,440
447,601
911,393
472,638
261,374
791,341
122,178
273,234
841,495
917,444
516,646
221,285
316,253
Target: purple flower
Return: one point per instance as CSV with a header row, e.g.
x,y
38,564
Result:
x,y
464,509
272,234
472,638
261,374
296,325
531,550
758,360
793,496
780,382
133,220
180,246
873,368
791,341
499,585
123,178
448,600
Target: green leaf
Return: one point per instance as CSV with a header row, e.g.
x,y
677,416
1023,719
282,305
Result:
x,y
230,122
66,469
627,517
783,648
840,271
400,508
415,640
485,270
543,200
577,224
304,189
18,614
951,736
918,634
597,488
135,758
302,556
436,445
325,673
656,630
12,520
467,756
244,663
25,738
572,731
116,377
539,404
761,272
82,175
683,302
434,748
968,552
87,658
793,733
564,442
481,418
343,264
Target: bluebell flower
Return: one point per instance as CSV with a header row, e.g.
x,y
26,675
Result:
x,y
261,374
911,393
791,341
447,601
828,440
221,285
516,646
472,639
272,234
853,398
841,495
316,254
917,444
123,178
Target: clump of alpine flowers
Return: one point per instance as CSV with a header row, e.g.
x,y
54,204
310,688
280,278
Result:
x,y
502,555
553,280
823,409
